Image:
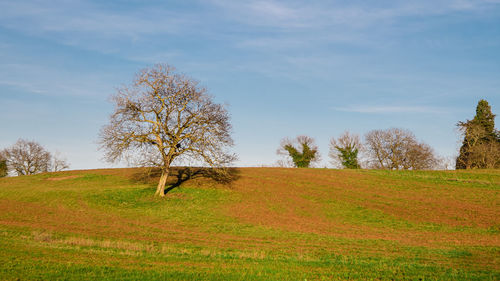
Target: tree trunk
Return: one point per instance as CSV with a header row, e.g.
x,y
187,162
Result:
x,y
160,190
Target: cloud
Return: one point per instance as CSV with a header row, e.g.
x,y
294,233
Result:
x,y
348,14
155,57
48,81
101,26
264,13
274,43
294,25
383,109
273,9
83,18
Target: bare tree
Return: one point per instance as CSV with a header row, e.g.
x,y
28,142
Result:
x,y
345,150
58,163
397,149
420,156
486,155
165,116
302,151
27,158
284,163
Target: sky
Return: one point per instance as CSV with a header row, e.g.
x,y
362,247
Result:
x,y
284,68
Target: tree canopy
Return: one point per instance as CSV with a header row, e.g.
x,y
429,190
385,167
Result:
x,y
481,141
302,151
397,149
346,149
164,116
29,157
3,168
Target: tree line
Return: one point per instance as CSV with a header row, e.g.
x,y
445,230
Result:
x,y
165,118
393,149
399,149
28,158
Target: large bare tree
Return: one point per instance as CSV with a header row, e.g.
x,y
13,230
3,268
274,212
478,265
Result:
x,y
396,149
165,116
29,157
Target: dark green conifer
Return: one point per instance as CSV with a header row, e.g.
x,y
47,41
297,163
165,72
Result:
x,y
486,119
480,131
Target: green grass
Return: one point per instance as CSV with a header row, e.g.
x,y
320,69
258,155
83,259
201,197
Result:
x,y
271,224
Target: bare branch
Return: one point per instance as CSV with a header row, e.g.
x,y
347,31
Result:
x,y
302,151
29,157
396,149
344,150
165,116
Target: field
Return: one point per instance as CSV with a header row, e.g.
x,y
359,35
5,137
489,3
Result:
x,y
267,224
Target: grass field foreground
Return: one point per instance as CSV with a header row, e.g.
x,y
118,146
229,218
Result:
x,y
268,224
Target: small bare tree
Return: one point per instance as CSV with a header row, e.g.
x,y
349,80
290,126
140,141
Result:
x,y
27,158
345,150
396,149
58,163
302,151
165,116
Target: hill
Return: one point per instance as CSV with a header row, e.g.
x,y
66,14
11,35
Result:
x,y
268,223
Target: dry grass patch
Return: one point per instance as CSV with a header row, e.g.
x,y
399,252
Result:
x,y
64,178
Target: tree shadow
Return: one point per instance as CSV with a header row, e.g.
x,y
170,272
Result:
x,y
183,175
197,175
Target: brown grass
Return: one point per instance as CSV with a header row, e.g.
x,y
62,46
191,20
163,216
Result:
x,y
303,201
288,199
64,178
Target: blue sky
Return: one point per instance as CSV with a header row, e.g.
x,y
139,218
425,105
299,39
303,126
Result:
x,y
284,67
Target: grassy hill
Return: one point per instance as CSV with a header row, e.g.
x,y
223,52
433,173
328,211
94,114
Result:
x,y
269,223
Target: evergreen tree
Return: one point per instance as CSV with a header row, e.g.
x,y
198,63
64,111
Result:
x,y
486,119
481,140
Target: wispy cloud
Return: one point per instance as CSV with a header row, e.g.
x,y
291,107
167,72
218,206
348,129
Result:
x,y
349,14
294,25
264,13
48,81
74,19
98,26
272,9
383,109
155,57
